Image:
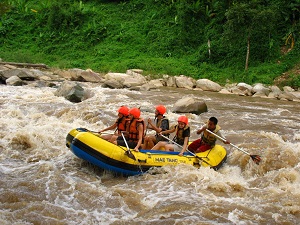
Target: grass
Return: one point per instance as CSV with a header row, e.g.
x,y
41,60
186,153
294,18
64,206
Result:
x,y
117,36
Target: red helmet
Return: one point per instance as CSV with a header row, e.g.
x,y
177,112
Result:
x,y
161,109
183,119
135,112
123,110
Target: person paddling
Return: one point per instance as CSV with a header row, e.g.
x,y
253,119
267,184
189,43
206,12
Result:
x,y
207,140
119,125
161,124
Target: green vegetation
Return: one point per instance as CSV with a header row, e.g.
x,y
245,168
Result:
x,y
197,38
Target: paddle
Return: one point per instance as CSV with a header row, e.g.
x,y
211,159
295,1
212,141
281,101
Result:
x,y
255,158
186,149
128,152
97,132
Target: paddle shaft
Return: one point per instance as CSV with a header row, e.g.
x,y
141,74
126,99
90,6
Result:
x,y
125,142
186,149
225,140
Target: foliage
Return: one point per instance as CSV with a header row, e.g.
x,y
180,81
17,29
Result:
x,y
198,38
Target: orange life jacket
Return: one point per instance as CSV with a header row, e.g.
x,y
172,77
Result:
x,y
121,124
133,129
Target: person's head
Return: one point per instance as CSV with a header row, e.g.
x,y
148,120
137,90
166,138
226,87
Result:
x,y
123,111
160,110
135,113
212,123
182,121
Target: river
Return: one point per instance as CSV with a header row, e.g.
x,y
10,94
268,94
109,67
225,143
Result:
x,y
43,182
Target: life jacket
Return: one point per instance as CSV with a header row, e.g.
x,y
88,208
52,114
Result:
x,y
209,138
121,124
179,139
159,122
133,129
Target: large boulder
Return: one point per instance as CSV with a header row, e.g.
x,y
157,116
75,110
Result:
x,y
260,90
275,92
128,80
184,82
83,75
246,89
189,105
208,85
22,74
71,91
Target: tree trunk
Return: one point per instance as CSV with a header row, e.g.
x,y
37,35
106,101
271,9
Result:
x,y
248,53
208,44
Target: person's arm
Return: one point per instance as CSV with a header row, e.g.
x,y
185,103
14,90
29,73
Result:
x,y
203,128
140,129
219,133
109,128
185,144
152,126
168,131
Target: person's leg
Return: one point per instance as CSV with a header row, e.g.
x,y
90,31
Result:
x,y
113,138
194,145
203,148
169,147
106,137
159,145
150,142
147,143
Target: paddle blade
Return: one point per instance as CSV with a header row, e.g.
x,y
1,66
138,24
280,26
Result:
x,y
256,159
130,155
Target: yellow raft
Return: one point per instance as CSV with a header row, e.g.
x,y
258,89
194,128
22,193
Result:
x,y
92,148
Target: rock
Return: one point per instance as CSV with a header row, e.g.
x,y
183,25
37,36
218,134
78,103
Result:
x,y
244,86
170,81
71,91
286,96
189,105
14,81
152,84
114,84
208,85
224,91
184,82
21,73
288,89
296,95
275,92
237,91
260,90
128,80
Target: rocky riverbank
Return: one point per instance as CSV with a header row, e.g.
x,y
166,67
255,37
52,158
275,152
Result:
x,y
40,75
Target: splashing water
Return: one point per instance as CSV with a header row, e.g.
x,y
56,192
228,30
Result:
x,y
42,182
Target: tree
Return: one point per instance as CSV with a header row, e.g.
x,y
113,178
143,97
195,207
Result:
x,y
250,26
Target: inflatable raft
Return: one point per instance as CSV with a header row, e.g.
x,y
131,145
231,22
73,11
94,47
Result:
x,y
91,147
